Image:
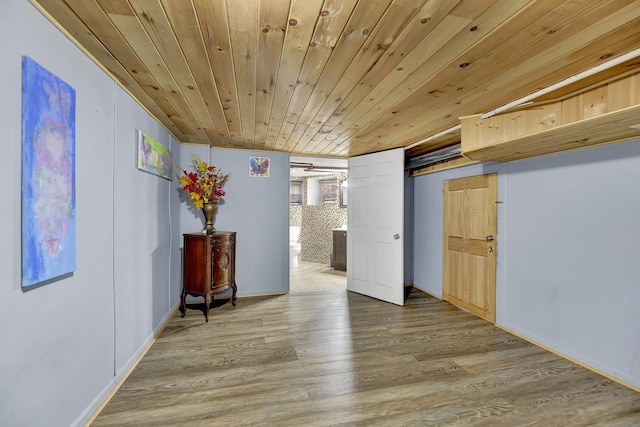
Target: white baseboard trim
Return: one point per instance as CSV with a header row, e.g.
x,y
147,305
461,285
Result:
x,y
93,410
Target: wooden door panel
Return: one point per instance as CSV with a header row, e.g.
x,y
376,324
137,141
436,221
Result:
x,y
469,258
477,269
472,246
457,276
456,218
477,215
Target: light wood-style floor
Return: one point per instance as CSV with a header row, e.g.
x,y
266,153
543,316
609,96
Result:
x,y
335,358
314,276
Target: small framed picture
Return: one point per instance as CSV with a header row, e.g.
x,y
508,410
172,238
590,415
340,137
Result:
x,y
259,167
153,157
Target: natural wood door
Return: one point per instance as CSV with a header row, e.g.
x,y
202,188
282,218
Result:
x,y
469,247
375,224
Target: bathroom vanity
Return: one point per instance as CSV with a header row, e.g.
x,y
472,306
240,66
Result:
x,y
340,249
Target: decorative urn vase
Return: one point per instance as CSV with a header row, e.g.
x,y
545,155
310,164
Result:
x,y
209,210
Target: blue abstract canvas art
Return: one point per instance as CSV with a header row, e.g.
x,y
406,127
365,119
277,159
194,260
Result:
x,y
48,176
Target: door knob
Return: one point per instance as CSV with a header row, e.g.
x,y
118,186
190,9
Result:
x,y
396,236
489,238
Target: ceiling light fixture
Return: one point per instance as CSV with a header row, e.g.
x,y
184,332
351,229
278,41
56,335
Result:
x,y
300,165
330,169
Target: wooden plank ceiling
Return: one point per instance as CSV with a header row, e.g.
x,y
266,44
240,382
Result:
x,y
339,77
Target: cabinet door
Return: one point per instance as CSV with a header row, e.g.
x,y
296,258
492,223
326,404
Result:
x,y
222,261
340,250
195,276
223,253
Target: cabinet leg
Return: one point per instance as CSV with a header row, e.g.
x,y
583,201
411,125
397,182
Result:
x,y
207,302
183,302
233,297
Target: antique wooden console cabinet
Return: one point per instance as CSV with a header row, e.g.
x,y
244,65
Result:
x,y
209,266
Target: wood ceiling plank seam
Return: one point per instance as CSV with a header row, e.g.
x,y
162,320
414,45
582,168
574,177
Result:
x,y
476,101
411,132
491,15
568,43
448,81
413,50
243,29
75,29
621,41
398,108
433,147
590,32
336,57
211,16
402,46
134,33
449,28
421,51
108,35
351,41
383,34
183,23
298,130
434,144
273,19
417,131
344,133
158,28
616,72
471,9
419,28
292,58
303,20
331,24
434,56
520,95
565,63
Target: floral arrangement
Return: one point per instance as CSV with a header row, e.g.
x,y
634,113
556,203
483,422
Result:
x,y
204,184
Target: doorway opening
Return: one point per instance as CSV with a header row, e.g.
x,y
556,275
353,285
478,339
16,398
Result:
x,y
317,210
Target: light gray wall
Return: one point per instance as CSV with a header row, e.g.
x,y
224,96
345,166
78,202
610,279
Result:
x,y
257,209
65,344
147,280
427,223
571,270
568,240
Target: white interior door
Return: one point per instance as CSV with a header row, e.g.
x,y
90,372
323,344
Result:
x,y
375,226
